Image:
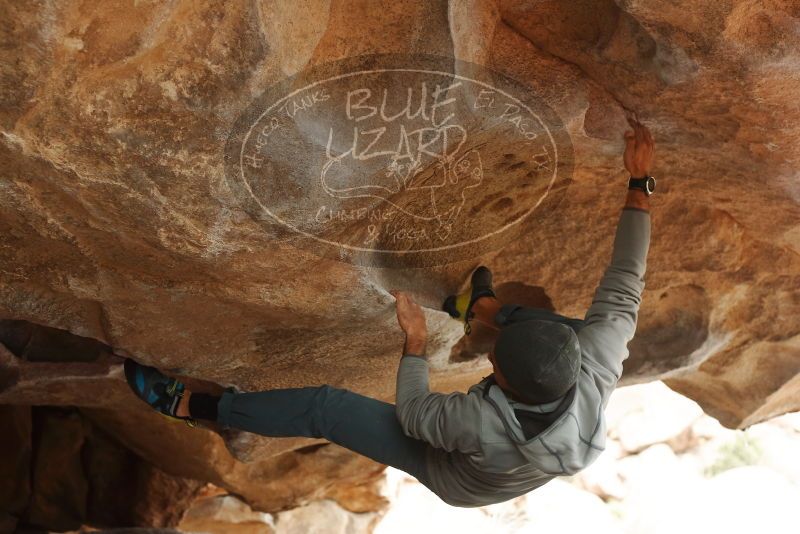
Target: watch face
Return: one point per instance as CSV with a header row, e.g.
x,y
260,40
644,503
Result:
x,y
650,184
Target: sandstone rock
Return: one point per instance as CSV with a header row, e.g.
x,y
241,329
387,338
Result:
x,y
558,505
323,517
551,508
62,472
118,223
640,472
708,428
225,513
15,467
643,415
411,500
128,531
98,384
60,489
602,478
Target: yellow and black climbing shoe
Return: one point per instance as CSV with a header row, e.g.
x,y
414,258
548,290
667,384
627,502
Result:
x,y
161,392
460,306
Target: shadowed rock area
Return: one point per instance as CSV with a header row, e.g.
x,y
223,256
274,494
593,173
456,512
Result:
x,y
123,230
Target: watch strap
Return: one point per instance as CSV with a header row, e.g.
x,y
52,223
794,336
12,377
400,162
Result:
x,y
639,183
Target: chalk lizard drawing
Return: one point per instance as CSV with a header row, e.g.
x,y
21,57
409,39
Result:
x,y
444,178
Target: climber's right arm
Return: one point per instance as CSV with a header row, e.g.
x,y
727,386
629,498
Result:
x,y
611,320
447,421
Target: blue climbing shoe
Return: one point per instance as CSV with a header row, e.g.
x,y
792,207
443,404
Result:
x,y
158,390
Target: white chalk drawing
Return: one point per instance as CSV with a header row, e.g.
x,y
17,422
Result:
x,y
427,160
407,171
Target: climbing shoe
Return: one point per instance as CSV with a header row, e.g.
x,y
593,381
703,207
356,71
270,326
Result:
x,y
460,306
161,392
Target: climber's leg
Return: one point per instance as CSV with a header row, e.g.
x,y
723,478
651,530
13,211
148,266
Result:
x,y
361,424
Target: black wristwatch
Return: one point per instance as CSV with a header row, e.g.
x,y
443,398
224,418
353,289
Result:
x,y
646,184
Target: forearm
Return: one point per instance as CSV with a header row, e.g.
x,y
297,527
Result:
x,y
618,295
610,323
416,345
637,198
411,388
485,309
632,239
412,379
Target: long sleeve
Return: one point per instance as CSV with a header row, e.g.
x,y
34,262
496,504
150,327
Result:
x,y
447,421
611,319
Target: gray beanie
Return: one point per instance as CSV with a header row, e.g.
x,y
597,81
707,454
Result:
x,y
539,359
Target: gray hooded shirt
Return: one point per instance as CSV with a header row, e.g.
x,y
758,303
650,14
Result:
x,y
480,454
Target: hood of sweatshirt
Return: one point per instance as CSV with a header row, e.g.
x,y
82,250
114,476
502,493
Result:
x,y
575,439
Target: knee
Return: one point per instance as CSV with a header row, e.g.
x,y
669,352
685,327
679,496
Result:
x,y
328,397
326,400
322,394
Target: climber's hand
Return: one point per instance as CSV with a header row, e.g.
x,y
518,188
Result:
x,y
639,149
412,321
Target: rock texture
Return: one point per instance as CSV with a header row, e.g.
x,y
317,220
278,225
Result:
x,y
60,471
117,223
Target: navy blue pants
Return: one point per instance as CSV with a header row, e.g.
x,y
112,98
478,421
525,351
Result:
x,y
361,424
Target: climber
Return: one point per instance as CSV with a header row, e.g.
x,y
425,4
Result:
x,y
537,416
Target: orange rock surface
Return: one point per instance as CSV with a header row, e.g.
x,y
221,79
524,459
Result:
x,y
118,222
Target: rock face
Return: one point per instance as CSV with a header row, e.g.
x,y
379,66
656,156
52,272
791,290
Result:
x,y
122,221
61,471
